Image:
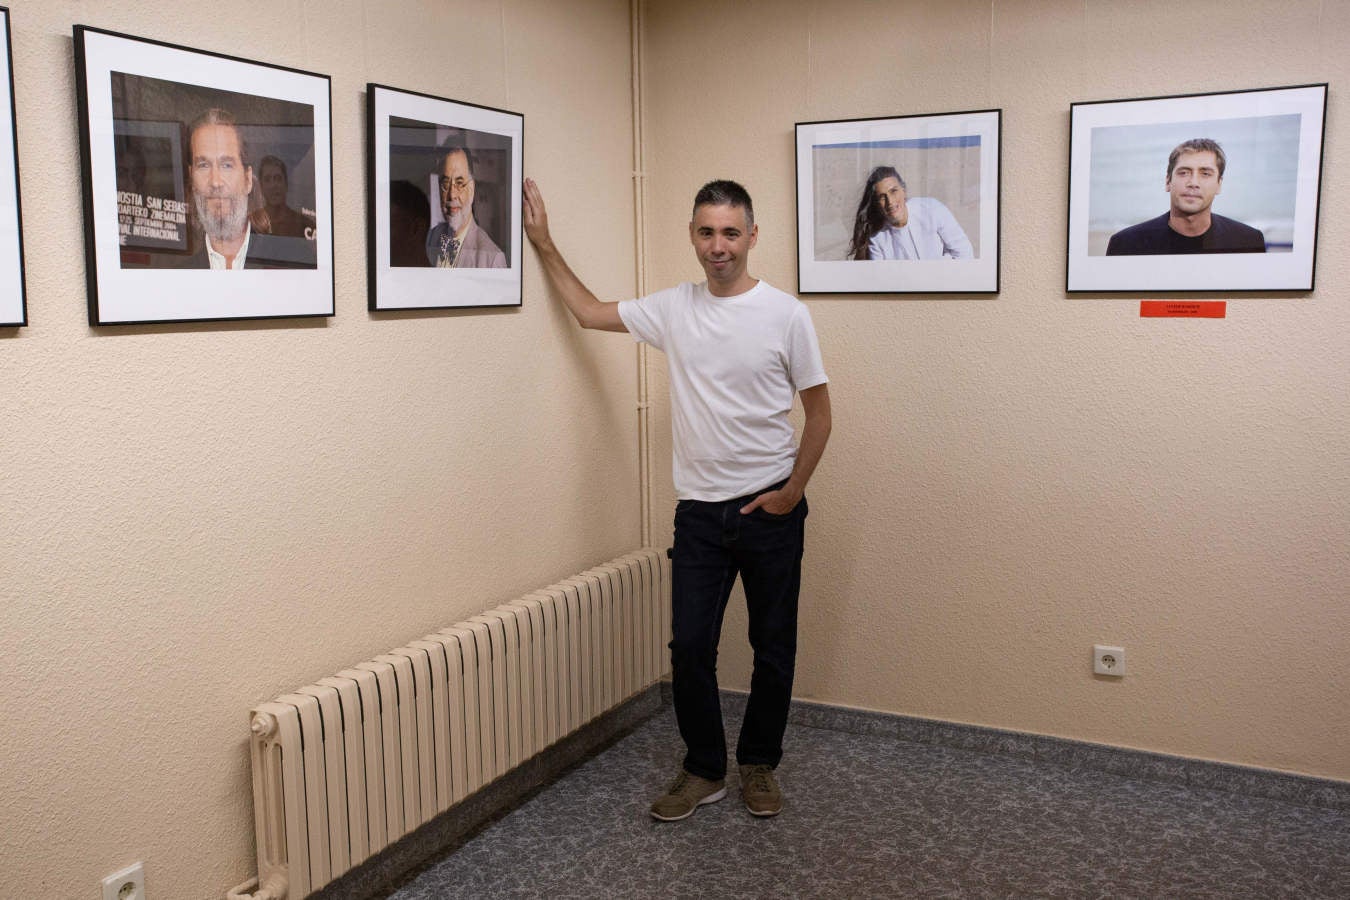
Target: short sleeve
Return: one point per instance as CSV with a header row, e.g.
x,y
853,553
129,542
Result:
x,y
645,317
805,367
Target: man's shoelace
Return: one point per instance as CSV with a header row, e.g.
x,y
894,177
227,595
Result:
x,y
760,782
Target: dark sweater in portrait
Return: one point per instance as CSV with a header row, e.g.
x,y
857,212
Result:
x,y
1156,238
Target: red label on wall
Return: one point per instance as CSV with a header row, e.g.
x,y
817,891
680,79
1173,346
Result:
x,y
1200,309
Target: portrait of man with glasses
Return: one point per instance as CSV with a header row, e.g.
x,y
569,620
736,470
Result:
x,y
459,242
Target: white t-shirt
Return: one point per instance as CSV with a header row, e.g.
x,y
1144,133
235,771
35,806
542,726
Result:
x,y
735,364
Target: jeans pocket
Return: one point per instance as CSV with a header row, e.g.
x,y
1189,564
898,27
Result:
x,y
762,513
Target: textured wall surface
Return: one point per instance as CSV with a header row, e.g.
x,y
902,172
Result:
x,y
197,517
1014,478
194,518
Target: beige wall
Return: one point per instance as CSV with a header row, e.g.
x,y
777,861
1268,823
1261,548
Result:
x,y
196,518
1015,478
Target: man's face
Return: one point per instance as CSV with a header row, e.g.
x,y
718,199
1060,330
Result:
x,y
273,181
456,191
890,199
722,242
220,181
1194,182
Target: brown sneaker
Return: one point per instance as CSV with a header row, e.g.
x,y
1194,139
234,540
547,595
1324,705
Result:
x,y
686,794
760,792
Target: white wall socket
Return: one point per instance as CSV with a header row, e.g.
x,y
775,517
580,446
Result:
x,y
128,884
1108,660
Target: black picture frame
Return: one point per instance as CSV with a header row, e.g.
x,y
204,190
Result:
x,y
1254,218
946,237
424,250
13,293
148,256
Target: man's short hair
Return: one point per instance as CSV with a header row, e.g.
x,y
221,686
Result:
x,y
726,193
450,150
1197,145
217,116
270,160
410,198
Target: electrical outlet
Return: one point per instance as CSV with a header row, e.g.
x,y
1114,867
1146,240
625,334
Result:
x,y
1108,660
128,884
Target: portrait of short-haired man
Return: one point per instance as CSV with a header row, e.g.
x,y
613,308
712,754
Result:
x,y
275,216
1195,170
459,242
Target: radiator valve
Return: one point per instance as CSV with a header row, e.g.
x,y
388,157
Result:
x,y
264,725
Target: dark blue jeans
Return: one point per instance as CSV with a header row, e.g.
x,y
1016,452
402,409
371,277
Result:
x,y
714,543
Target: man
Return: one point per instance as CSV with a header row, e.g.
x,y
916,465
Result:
x,y
459,242
276,217
222,180
738,350
1194,178
891,225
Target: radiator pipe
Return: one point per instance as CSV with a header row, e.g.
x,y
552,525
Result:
x,y
273,889
640,276
264,727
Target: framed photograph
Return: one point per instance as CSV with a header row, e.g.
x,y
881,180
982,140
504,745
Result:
x,y
444,186
13,308
905,205
195,164
1202,192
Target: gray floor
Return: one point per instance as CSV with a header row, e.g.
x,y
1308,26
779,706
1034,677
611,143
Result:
x,y
878,817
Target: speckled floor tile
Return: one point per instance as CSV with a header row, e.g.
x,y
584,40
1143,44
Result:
x,y
872,816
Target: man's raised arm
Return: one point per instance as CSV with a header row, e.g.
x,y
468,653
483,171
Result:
x,y
589,311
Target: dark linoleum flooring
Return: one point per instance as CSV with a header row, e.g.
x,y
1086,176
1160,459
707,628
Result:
x,y
870,816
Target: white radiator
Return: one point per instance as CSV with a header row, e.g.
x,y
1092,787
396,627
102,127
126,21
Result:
x,y
346,766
